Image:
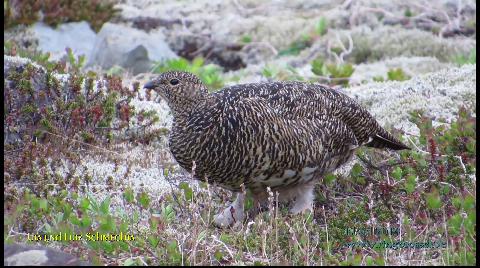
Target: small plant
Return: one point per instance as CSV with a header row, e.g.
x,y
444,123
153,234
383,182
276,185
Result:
x,y
321,27
318,67
397,75
408,13
75,64
338,74
246,39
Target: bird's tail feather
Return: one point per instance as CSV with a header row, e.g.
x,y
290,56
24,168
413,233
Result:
x,y
388,141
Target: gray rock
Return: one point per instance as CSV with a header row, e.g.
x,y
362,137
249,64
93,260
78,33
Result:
x,y
16,255
137,58
128,47
76,35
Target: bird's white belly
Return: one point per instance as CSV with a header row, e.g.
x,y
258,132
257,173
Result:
x,y
305,174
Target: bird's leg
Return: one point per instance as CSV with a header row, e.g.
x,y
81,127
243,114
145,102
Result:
x,y
259,205
304,199
233,213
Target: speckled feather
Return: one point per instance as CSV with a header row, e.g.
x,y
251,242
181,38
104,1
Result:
x,y
276,134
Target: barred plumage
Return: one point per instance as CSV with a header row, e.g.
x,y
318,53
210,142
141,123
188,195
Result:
x,y
282,135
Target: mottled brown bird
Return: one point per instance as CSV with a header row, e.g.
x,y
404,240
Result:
x,y
282,135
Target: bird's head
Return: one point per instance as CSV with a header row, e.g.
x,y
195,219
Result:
x,y
181,90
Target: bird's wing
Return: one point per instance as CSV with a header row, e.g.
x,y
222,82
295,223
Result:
x,y
295,100
298,142
319,101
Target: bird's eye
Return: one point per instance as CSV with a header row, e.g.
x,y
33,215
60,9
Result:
x,y
174,82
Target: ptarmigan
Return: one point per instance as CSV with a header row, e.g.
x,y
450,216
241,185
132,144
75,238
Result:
x,y
282,135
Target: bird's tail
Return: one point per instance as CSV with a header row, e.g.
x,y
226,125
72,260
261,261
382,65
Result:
x,y
386,140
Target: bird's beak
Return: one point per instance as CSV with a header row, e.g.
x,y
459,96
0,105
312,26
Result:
x,y
149,85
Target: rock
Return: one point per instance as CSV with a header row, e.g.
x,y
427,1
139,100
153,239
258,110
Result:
x,y
17,254
227,55
129,48
76,35
137,59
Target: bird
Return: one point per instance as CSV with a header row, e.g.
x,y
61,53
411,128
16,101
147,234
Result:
x,y
274,136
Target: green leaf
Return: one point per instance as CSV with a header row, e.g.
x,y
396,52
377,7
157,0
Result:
x,y
397,75
410,184
457,202
153,241
43,204
168,214
397,173
105,206
246,39
128,195
469,202
455,224
267,72
218,255
107,246
321,26
187,191
317,67
75,220
86,221
369,260
433,200
225,238
84,204
143,199
356,170
107,224
329,178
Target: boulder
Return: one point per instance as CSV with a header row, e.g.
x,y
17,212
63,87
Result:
x,y
129,48
76,35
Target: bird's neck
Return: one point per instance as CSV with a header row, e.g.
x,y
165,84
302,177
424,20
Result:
x,y
187,107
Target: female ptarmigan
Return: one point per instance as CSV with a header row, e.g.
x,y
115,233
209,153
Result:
x,y
282,135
